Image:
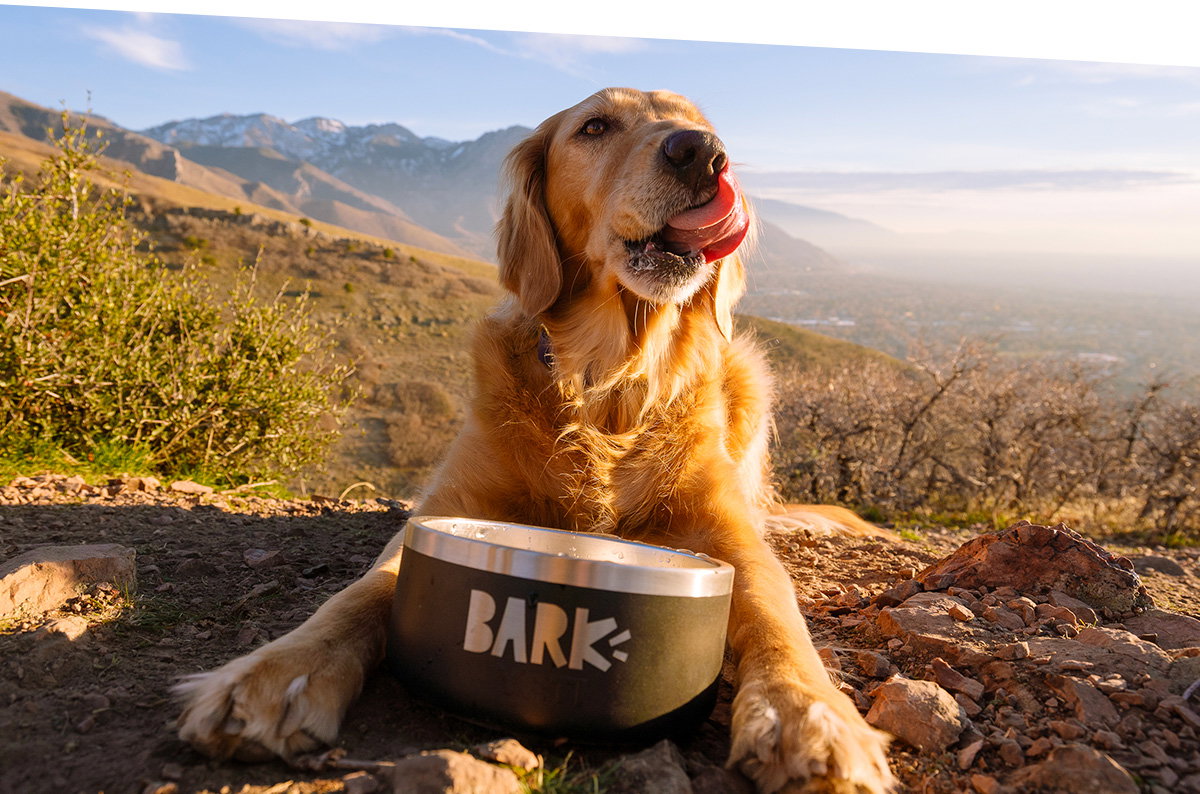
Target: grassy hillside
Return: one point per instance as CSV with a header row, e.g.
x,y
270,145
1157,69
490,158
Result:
x,y
787,345
401,314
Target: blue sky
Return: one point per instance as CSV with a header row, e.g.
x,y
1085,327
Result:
x,y
1057,155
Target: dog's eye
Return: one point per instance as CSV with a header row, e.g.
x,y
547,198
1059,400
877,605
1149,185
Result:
x,y
594,127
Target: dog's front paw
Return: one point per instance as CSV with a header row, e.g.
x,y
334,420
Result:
x,y
285,698
788,738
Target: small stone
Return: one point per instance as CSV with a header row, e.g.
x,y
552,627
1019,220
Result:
x,y
920,713
1011,753
261,558
1090,705
1083,613
1076,767
1152,562
509,752
898,594
1013,651
954,681
446,770
1107,740
970,707
44,578
659,769
960,612
360,783
872,664
1066,730
1174,631
1002,616
718,780
71,626
1039,747
172,771
966,756
985,784
189,487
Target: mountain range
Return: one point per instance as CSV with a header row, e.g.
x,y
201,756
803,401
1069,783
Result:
x,y
380,179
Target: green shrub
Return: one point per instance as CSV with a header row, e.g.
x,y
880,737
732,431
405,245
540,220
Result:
x,y
103,345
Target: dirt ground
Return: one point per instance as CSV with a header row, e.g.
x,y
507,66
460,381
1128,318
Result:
x,y
220,574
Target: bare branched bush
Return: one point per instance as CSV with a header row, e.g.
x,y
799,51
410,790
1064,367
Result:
x,y
970,431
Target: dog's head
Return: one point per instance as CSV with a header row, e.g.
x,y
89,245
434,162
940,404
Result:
x,y
626,191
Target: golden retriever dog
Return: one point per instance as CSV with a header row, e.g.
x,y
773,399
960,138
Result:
x,y
612,395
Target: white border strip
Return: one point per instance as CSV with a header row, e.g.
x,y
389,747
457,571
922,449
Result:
x,y
1149,31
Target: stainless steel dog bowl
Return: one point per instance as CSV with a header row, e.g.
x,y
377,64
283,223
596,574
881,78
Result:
x,y
572,634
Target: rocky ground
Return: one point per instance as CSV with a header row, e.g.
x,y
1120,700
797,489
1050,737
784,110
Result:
x,y
1030,660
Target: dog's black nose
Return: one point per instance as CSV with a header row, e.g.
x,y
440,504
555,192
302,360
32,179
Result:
x,y
696,157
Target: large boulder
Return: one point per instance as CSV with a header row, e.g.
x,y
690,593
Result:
x,y
1034,558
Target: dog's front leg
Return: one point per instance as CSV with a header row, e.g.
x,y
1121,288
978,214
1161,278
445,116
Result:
x,y
291,694
792,729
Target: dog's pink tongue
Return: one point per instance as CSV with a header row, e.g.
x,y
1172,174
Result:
x,y
714,211
715,229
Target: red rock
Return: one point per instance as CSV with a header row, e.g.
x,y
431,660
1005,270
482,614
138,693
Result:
x,y
1014,650
919,713
1074,768
924,624
43,578
954,681
1174,631
872,664
1082,612
970,707
1011,753
1091,706
966,756
960,612
1004,617
1124,643
1066,730
898,594
1028,558
985,784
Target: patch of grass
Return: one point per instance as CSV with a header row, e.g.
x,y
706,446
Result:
x,y
559,778
911,535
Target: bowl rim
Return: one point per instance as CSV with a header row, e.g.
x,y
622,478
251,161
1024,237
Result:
x,y
691,576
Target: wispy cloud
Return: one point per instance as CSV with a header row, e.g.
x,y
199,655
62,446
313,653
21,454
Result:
x,y
1124,106
330,36
1041,72
945,181
566,53
138,44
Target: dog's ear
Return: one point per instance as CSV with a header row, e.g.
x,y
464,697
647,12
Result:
x,y
729,285
525,239
727,288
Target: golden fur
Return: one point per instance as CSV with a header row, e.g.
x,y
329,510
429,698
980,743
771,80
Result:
x,y
650,422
